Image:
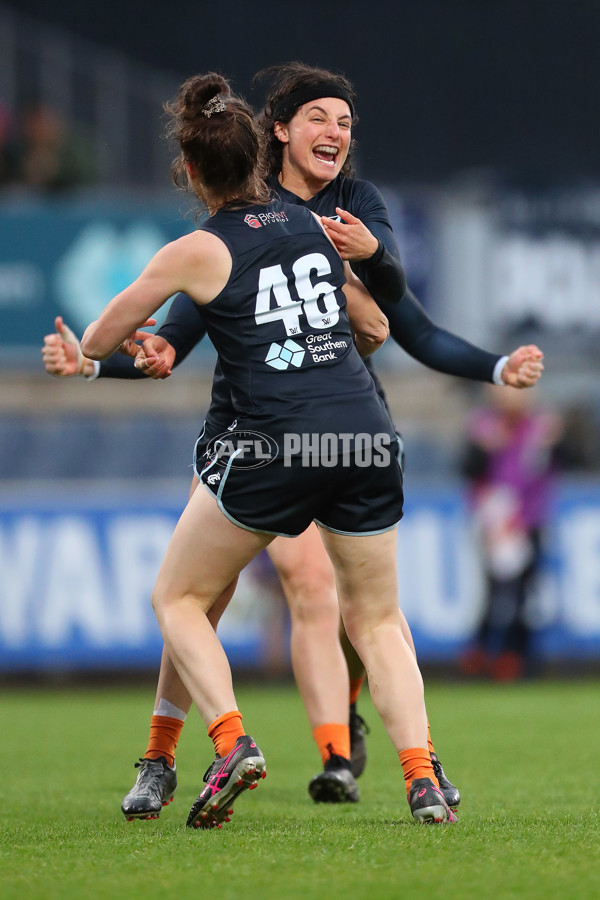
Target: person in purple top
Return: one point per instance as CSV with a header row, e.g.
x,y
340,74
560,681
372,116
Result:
x,y
510,463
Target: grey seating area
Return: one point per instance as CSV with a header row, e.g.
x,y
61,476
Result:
x,y
82,447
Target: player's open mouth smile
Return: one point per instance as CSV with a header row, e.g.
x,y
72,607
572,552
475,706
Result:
x,y
326,154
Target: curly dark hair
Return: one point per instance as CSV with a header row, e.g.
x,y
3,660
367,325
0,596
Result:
x,y
287,79
217,133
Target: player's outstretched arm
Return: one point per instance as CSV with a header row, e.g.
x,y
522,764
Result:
x,y
524,367
181,331
409,324
63,358
434,347
383,276
198,264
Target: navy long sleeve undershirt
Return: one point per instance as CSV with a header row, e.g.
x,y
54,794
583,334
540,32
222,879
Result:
x,y
434,347
410,326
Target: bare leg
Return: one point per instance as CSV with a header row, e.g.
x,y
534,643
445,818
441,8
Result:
x,y
156,782
206,553
170,687
353,660
356,669
367,587
308,582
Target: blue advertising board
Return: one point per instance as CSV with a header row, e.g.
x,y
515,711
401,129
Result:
x,y
70,258
78,566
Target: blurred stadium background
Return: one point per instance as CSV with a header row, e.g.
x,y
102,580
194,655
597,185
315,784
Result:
x,y
477,121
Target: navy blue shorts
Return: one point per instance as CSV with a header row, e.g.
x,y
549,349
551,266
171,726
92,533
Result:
x,y
348,497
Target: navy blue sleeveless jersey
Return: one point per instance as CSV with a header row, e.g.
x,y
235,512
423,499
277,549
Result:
x,y
281,329
347,193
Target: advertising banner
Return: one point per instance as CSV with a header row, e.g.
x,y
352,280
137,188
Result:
x,y
78,567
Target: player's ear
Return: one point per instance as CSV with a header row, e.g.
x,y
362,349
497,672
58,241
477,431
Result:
x,y
280,130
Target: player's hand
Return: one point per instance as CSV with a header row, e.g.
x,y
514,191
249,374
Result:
x,y
61,352
352,239
155,357
524,367
128,347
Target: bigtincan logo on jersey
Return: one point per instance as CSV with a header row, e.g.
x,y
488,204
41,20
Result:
x,y
260,219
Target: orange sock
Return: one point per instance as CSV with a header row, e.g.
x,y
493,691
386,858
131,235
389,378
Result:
x,y
164,735
416,763
355,687
429,742
332,739
225,731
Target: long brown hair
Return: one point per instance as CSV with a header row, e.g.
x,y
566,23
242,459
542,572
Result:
x,y
218,136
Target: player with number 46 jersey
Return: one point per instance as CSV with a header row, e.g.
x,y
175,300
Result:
x,y
287,352
292,331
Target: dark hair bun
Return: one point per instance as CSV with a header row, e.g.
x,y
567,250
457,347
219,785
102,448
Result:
x,y
198,90
218,141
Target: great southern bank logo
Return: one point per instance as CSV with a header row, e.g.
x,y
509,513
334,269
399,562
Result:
x,y
291,354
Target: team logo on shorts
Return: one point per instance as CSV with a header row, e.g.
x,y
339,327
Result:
x,y
252,221
240,450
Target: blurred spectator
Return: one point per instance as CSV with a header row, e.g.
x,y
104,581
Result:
x,y
46,154
6,149
512,454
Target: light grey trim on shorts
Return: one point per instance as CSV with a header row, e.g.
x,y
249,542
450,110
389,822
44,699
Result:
x,y
199,438
356,533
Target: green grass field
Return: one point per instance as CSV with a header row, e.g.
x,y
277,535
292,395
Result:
x,y
524,757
